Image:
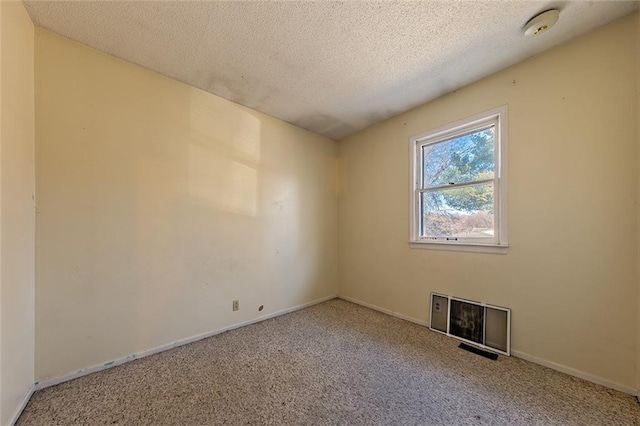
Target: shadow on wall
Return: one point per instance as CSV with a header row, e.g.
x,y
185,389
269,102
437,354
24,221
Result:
x,y
159,204
218,222
224,156
198,216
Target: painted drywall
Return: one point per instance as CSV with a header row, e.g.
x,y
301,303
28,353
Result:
x,y
17,221
159,204
570,275
638,136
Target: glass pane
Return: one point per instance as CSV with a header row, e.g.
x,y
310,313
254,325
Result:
x,y
461,160
465,212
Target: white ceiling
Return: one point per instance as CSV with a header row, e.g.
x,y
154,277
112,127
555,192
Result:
x,y
330,67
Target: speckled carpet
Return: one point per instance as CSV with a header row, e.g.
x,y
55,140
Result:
x,y
333,363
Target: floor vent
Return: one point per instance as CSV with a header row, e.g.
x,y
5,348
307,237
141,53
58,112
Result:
x,y
492,356
483,325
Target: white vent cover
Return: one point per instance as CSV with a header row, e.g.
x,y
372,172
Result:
x,y
486,326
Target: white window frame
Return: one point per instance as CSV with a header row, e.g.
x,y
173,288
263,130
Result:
x,y
497,116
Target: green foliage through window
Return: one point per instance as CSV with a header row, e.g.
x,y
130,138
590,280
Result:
x,y
457,175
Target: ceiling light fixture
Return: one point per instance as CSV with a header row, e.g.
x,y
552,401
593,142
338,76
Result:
x,y
541,22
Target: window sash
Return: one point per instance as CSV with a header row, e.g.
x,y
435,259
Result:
x,y
494,239
444,137
455,185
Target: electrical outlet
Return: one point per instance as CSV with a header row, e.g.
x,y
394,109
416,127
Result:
x,y
236,305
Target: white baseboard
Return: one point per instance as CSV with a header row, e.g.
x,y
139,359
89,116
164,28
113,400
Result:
x,y
384,310
83,372
575,373
518,354
14,418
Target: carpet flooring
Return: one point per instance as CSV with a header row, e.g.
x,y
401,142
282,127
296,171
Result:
x,y
333,363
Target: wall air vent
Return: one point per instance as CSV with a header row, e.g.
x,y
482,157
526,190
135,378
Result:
x,y
483,325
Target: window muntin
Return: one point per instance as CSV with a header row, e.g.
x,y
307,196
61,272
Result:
x,y
459,188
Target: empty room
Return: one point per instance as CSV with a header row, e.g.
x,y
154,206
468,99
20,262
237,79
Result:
x,y
319,212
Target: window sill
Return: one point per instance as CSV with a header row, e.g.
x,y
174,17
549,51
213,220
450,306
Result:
x,y
475,248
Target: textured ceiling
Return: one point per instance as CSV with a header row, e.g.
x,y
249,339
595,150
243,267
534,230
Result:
x,y
330,67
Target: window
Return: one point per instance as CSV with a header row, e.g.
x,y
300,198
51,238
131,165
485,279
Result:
x,y
458,185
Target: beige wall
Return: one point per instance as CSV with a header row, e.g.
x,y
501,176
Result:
x,y
638,136
158,204
570,275
17,223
